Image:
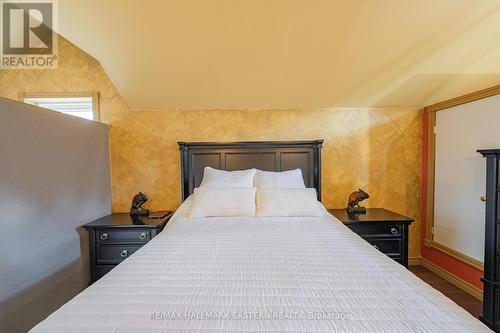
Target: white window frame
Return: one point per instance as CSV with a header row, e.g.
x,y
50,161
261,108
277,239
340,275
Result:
x,y
94,95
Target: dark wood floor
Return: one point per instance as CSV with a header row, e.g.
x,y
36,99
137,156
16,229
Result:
x,y
466,301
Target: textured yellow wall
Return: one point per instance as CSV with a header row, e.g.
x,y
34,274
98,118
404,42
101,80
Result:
x,y
376,149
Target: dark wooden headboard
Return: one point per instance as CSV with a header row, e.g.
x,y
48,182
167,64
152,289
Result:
x,y
263,155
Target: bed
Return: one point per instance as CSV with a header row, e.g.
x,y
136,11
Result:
x,y
249,274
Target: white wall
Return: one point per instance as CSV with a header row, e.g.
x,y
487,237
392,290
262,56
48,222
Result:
x,y
460,175
54,177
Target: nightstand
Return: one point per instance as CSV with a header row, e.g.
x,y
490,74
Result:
x,y
115,237
385,230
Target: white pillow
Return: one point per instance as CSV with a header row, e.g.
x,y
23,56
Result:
x,y
215,178
284,179
222,202
288,202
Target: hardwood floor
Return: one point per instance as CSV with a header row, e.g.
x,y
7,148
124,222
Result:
x,y
466,301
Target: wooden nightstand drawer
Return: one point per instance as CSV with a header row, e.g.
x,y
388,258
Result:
x,y
103,270
115,237
118,235
496,317
383,229
375,230
114,254
387,246
396,258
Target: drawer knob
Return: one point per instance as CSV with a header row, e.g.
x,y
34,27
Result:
x,y
142,235
394,231
124,253
376,247
104,236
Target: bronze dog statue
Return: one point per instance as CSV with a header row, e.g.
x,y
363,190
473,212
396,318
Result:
x,y
354,199
136,209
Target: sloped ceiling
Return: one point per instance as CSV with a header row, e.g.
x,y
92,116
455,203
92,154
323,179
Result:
x,y
199,54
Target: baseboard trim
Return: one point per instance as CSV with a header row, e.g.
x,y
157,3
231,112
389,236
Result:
x,y
460,283
415,261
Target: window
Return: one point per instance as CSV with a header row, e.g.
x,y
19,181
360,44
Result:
x,y
79,105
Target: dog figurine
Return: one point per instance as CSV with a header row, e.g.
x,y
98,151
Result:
x,y
136,209
354,199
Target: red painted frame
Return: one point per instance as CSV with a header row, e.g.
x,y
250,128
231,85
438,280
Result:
x,y
448,263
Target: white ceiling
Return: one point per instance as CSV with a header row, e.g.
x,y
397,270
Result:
x,y
288,53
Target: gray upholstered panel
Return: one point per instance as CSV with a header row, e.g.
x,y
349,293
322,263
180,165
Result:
x,y
55,176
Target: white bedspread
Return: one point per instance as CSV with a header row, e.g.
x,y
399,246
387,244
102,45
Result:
x,y
259,275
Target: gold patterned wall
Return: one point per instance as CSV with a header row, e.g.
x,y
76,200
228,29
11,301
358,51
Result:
x,y
376,149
